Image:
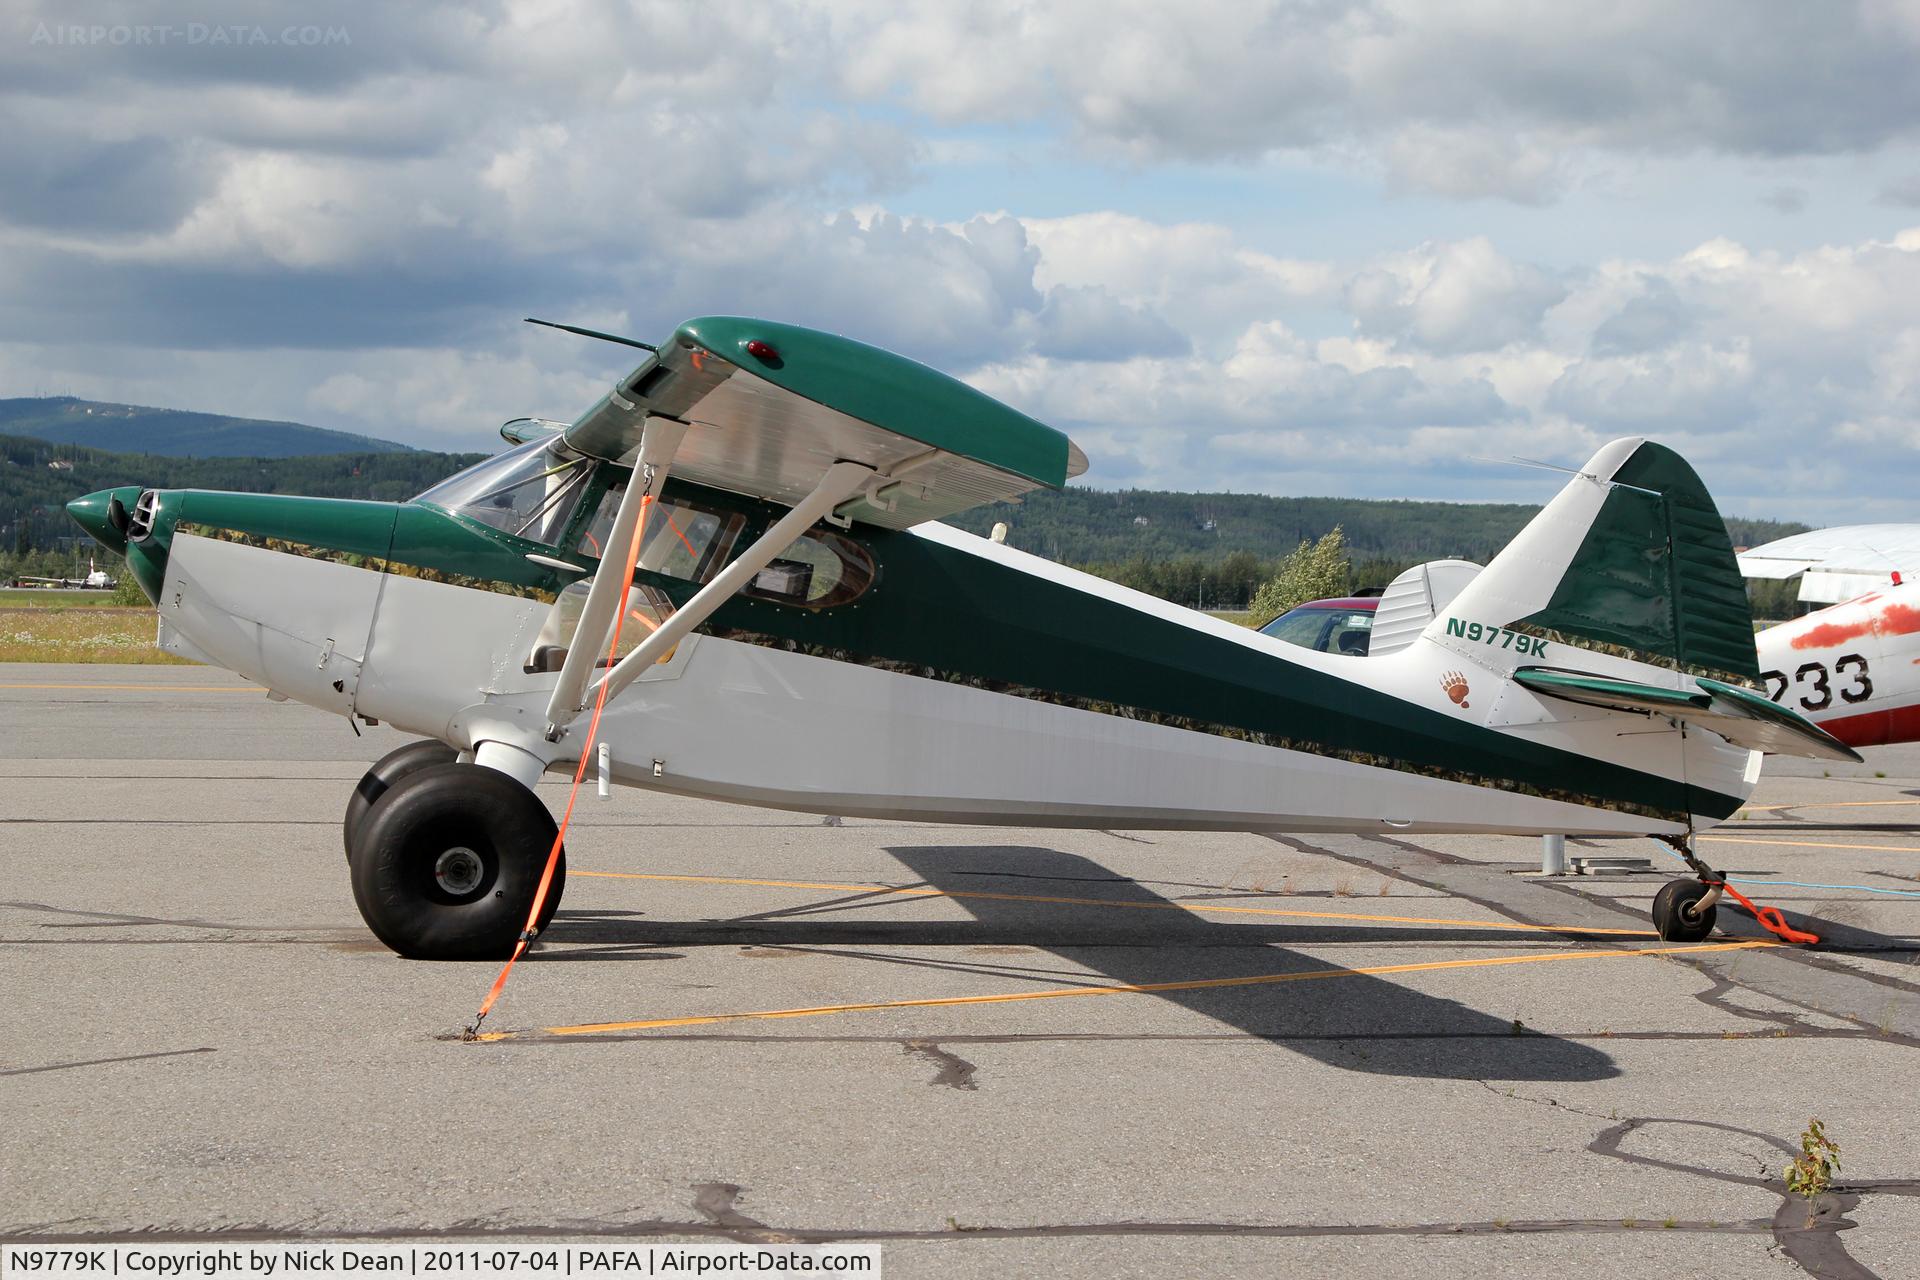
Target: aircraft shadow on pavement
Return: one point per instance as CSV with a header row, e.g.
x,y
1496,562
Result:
x,y
1355,1021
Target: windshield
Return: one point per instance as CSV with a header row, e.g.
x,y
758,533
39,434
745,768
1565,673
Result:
x,y
529,492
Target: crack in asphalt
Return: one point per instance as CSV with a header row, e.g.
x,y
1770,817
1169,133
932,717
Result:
x,y
101,1062
1512,1096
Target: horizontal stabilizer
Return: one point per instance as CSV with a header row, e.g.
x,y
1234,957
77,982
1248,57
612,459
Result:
x,y
1411,600
1741,716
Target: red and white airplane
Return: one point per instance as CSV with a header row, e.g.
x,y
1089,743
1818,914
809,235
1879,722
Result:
x,y
1852,668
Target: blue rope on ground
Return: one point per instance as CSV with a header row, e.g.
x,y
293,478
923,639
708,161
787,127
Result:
x,y
1802,884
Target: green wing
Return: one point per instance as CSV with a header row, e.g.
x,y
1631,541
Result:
x,y
772,406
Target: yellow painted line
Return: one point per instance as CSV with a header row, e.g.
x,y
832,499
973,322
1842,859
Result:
x,y
1826,804
1814,844
1136,988
920,891
152,688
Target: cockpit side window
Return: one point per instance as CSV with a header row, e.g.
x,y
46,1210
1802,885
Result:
x,y
529,492
679,539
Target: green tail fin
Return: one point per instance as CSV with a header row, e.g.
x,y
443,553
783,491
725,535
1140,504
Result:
x,y
1656,573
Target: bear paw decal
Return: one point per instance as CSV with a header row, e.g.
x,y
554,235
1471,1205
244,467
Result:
x,y
1455,686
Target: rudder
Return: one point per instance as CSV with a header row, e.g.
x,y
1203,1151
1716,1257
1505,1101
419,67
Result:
x,y
1632,558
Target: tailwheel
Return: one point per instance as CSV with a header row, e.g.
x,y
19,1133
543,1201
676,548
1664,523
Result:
x,y
1683,910
386,771
446,863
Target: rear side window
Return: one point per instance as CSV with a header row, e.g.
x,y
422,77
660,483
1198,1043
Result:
x,y
820,570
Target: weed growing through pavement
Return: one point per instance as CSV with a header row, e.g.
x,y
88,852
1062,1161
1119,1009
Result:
x,y
1811,1175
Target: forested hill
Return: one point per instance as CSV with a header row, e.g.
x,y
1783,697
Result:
x,y
174,433
38,479
1092,526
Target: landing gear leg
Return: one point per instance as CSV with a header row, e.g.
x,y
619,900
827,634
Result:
x,y
1684,910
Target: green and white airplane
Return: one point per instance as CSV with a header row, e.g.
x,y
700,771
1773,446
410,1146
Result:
x,y
802,633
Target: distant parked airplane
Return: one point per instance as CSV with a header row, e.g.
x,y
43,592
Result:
x,y
1852,668
97,579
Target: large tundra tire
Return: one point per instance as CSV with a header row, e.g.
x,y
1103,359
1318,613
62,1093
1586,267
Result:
x,y
446,863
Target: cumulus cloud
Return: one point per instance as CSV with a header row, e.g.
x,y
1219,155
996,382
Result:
x,y
1469,163
1451,298
1652,320
1081,323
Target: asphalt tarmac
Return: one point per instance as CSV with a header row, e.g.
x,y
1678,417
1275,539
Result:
x,y
996,1051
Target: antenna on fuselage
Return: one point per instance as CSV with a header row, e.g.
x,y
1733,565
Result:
x,y
594,333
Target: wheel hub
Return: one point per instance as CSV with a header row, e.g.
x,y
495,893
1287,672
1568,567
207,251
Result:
x,y
458,871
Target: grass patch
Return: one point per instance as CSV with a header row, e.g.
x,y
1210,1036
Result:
x,y
53,598
76,635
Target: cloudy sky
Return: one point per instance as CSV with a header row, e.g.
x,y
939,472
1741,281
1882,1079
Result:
x,y
1317,247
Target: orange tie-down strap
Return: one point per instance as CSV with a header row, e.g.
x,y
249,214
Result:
x,y
573,792
1771,919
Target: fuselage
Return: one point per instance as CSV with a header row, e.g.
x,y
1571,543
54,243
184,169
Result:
x,y
923,674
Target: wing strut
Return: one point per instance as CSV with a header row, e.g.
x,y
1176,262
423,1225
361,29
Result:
x,y
841,481
659,439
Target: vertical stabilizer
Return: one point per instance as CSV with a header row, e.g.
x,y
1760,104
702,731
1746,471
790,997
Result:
x,y
1631,558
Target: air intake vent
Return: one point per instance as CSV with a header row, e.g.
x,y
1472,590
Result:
x,y
140,526
648,384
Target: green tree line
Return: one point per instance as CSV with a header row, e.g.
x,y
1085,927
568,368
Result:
x,y
36,537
